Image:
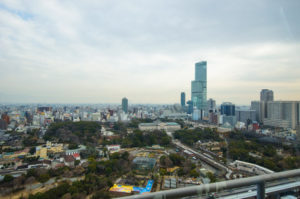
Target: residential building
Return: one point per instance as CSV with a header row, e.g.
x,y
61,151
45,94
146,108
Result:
x,y
285,114
69,160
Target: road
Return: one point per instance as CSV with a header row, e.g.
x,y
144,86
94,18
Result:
x,y
206,159
51,182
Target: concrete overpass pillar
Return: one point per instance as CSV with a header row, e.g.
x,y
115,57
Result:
x,y
261,190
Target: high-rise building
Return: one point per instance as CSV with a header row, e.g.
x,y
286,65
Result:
x,y
211,105
285,114
228,113
255,105
228,109
245,114
190,107
182,99
199,86
266,95
125,105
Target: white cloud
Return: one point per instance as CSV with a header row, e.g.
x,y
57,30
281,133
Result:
x,y
66,51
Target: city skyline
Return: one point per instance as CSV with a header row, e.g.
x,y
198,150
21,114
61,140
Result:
x,y
96,52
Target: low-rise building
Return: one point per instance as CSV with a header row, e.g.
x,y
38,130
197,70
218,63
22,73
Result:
x,y
113,148
69,160
168,126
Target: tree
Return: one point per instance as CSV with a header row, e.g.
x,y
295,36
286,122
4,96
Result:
x,y
32,150
73,146
165,161
43,178
194,173
211,176
176,159
7,178
101,195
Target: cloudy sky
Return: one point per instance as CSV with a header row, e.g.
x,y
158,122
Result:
x,y
100,51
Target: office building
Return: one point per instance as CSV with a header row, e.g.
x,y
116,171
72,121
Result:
x,y
228,109
255,105
182,99
211,105
190,107
266,95
228,112
284,114
125,105
245,114
199,86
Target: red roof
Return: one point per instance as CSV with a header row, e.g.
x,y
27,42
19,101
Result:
x,y
76,155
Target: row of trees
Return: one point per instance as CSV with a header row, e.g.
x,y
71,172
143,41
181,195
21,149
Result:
x,y
83,132
190,136
240,148
186,167
142,139
117,165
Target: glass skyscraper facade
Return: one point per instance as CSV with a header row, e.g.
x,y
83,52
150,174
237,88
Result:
x,y
228,109
125,105
182,99
199,86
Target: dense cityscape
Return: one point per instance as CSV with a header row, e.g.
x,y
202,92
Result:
x,y
113,150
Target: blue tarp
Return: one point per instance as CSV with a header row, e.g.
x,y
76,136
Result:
x,y
147,189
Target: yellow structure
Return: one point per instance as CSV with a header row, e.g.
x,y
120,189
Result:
x,y
12,155
171,170
54,147
121,188
41,151
142,154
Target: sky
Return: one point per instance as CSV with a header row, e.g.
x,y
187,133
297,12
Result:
x,y
69,51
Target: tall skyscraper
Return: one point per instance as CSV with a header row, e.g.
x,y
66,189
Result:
x,y
266,95
125,105
199,86
182,98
